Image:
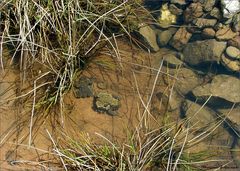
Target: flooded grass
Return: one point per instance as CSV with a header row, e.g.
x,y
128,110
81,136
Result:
x,y
46,46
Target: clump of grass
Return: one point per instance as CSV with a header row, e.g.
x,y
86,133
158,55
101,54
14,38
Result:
x,y
62,36
51,41
142,151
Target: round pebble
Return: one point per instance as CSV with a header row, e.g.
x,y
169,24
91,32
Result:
x,y
232,65
233,52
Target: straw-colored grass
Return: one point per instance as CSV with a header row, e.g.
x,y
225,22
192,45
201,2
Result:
x,y
51,41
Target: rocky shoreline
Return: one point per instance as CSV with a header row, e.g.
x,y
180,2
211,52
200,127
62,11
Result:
x,y
202,30
201,34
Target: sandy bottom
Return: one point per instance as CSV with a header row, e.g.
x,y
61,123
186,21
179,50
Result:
x,y
130,79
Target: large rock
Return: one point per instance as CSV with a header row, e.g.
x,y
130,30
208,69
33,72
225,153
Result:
x,y
186,80
232,114
203,51
225,33
205,134
148,37
180,39
223,89
198,116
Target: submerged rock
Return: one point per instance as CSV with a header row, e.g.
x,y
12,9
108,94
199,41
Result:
x,y
215,13
203,51
175,10
186,80
172,61
106,103
235,42
232,114
230,64
148,36
208,33
180,39
199,117
233,52
225,33
223,89
164,37
83,87
172,101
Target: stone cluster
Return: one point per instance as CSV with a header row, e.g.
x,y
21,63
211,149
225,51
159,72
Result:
x,y
200,33
202,30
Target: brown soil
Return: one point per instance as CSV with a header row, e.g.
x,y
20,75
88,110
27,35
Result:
x,y
118,77
79,115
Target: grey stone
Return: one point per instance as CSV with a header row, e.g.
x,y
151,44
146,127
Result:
x,y
148,37
173,101
186,80
218,26
83,87
232,114
204,123
203,51
164,37
223,89
106,103
233,52
198,117
172,61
